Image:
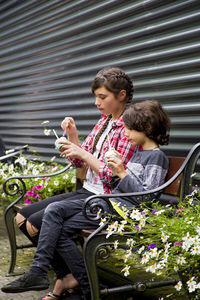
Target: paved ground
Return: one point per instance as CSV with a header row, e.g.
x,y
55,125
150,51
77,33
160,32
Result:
x,y
24,259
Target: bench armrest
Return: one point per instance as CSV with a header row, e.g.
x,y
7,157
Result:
x,y
14,152
13,188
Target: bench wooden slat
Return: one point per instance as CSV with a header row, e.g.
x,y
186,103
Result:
x,y
174,165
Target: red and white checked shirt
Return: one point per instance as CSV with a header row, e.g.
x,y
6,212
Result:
x,y
117,141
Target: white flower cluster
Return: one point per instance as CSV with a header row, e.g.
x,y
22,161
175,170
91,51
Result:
x,y
157,260
119,226
172,249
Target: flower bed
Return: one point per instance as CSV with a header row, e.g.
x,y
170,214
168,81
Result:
x,y
37,188
166,241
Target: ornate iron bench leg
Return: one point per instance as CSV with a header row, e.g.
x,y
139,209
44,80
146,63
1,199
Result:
x,y
89,252
95,242
9,222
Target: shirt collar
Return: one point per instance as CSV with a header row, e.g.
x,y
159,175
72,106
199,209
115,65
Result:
x,y
116,123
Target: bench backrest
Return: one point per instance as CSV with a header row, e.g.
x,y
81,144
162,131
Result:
x,y
173,189
174,165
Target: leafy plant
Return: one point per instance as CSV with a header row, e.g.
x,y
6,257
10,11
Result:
x,y
165,240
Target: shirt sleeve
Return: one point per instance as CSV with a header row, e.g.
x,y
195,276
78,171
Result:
x,y
154,175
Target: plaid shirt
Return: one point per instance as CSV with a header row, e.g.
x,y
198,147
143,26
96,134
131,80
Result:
x,y
117,141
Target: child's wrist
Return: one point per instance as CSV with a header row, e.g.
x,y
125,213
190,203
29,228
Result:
x,y
122,174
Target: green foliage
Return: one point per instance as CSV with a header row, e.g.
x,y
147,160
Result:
x,y
37,188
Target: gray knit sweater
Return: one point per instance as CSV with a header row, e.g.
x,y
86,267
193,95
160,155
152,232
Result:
x,y
146,170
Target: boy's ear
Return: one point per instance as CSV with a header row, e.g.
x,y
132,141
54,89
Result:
x,y
122,95
148,128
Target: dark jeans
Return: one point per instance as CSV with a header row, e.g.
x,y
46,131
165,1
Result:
x,y
34,214
60,221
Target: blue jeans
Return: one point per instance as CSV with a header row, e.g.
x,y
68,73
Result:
x,y
60,221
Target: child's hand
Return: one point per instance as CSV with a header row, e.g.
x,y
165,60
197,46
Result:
x,y
59,142
69,127
116,165
71,150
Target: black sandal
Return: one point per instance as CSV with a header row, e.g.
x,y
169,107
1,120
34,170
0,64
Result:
x,y
50,294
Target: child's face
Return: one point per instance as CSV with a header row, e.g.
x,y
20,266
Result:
x,y
106,101
135,137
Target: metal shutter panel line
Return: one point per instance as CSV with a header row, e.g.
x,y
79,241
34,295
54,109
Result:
x,y
182,19
140,45
91,24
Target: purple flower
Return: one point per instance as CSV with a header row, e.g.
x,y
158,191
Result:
x,y
153,211
171,201
151,246
136,227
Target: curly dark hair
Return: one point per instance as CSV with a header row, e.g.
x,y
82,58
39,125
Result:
x,y
114,80
148,117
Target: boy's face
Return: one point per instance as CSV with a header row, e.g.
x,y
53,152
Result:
x,y
135,137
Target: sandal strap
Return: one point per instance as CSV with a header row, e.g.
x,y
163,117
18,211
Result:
x,y
50,294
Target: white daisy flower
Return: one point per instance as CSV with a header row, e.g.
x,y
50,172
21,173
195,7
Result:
x,y
181,260
47,132
178,286
126,270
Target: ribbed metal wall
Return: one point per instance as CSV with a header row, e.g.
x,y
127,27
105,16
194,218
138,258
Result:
x,y
50,51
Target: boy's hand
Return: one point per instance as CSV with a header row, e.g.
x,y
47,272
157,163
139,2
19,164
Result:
x,y
116,165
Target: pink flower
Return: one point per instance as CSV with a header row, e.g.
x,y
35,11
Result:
x,y
37,187
30,193
179,210
36,195
177,243
27,201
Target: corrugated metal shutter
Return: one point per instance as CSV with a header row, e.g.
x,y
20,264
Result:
x,y
51,50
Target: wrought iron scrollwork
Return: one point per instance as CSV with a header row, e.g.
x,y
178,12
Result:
x,y
14,188
94,209
103,252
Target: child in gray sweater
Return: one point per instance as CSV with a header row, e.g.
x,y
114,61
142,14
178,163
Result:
x,y
146,126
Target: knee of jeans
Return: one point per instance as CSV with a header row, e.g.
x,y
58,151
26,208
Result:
x,y
52,208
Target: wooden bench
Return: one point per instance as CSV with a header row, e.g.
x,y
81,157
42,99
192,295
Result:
x,y
178,184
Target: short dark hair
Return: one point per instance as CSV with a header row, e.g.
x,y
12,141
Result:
x,y
114,79
148,117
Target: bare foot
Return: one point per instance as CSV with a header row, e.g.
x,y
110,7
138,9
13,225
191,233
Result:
x,y
66,283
